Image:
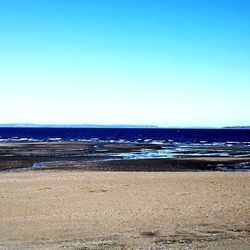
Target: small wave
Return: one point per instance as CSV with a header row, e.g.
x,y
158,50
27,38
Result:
x,y
56,139
15,139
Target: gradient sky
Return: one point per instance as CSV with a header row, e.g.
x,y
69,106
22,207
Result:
x,y
169,63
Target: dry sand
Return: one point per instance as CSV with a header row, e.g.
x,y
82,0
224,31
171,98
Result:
x,y
124,210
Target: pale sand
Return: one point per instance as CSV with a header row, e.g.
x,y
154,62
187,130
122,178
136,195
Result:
x,y
125,210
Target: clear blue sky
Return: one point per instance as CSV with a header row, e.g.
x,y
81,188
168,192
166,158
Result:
x,y
168,63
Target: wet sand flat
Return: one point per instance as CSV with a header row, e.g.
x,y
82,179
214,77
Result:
x,y
124,210
105,157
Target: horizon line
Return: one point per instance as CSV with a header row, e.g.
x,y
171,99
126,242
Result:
x,y
90,125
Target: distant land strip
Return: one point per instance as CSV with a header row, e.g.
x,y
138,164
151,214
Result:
x,y
238,127
31,125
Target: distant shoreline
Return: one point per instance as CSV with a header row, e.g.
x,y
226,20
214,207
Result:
x,y
237,127
30,125
125,126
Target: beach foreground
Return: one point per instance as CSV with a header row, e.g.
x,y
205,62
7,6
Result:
x,y
124,210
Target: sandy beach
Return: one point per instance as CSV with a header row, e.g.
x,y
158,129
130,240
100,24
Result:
x,y
124,210
124,125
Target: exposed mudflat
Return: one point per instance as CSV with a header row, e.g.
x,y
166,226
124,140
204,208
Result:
x,y
119,157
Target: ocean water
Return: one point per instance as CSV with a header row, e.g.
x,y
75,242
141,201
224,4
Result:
x,y
146,135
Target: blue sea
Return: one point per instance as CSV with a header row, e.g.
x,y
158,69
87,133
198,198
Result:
x,y
188,136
